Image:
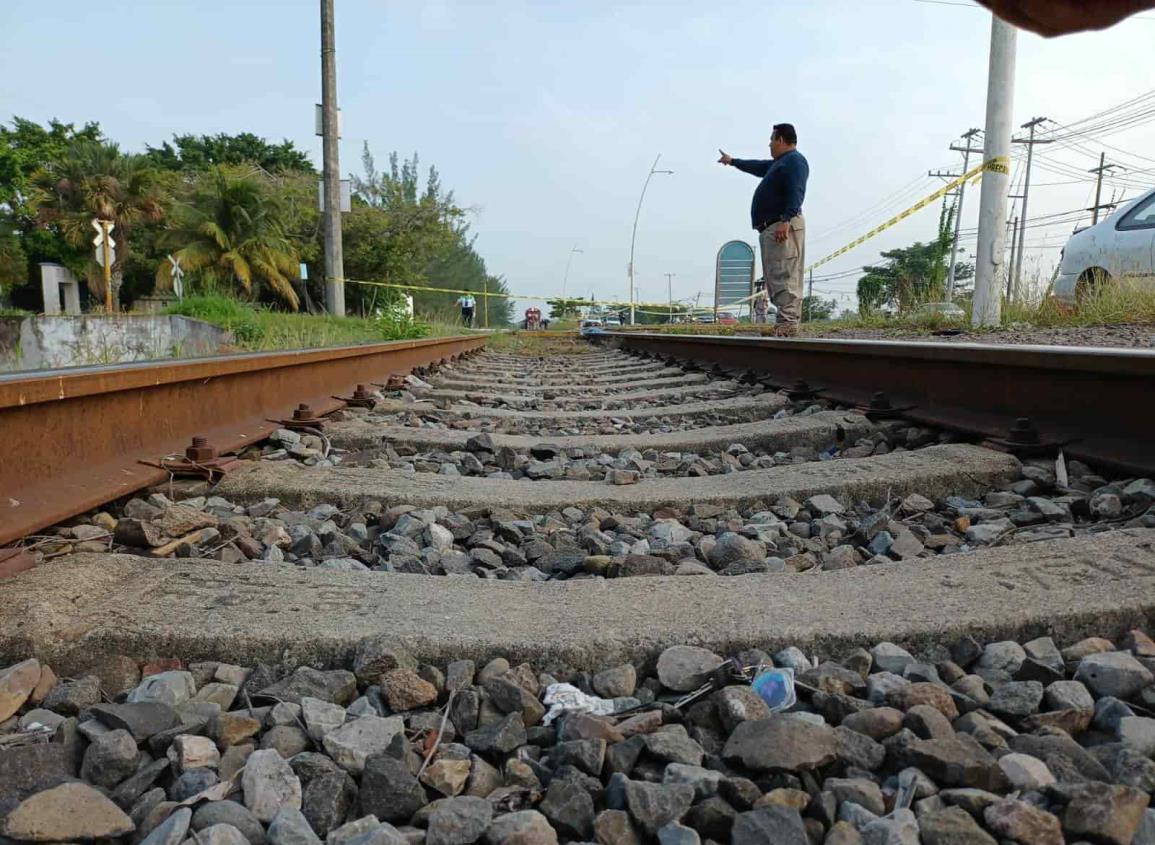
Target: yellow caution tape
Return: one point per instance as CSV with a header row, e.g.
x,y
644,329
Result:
x,y
476,293
995,165
1000,165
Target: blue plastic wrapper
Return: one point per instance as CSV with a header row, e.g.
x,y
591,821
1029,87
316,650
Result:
x,y
776,688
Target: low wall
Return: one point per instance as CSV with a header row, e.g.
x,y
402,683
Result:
x,y
37,343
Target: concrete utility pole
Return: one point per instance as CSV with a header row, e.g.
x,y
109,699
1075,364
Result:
x,y
1103,167
1013,225
1016,286
996,177
334,252
809,297
966,150
670,293
634,235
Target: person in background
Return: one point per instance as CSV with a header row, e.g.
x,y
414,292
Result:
x,y
776,212
468,305
761,302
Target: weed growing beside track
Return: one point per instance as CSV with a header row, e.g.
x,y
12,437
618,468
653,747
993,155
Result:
x,y
259,330
1112,305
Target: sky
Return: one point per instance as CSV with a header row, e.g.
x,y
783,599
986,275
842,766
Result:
x,y
544,118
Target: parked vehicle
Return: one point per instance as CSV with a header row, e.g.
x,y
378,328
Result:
x,y
1121,246
589,327
727,318
613,323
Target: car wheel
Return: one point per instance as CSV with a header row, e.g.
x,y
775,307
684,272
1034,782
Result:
x,y
1091,283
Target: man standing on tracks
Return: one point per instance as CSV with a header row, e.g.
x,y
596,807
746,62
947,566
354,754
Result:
x,y
776,212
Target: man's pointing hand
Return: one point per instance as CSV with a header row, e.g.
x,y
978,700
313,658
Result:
x,y
726,157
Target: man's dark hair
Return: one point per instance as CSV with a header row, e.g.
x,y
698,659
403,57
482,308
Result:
x,y
785,132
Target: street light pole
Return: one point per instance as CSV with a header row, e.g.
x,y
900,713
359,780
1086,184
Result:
x,y
565,278
634,235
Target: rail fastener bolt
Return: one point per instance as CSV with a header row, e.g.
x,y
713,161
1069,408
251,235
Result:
x,y
801,391
880,407
1023,440
362,397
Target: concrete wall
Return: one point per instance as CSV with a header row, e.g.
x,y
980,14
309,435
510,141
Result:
x,y
35,343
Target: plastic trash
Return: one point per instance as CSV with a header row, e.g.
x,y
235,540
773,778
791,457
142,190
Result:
x,y
776,688
566,698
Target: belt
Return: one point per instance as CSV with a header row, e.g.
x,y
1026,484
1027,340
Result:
x,y
764,226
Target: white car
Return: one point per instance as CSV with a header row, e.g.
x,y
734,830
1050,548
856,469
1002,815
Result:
x,y
613,323
1123,245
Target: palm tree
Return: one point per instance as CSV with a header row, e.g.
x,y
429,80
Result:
x,y
95,180
232,231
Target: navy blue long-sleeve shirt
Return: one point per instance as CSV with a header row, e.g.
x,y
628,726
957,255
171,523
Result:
x,y
780,194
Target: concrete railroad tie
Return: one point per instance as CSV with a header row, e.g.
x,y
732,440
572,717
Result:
x,y
748,407
934,472
75,610
815,430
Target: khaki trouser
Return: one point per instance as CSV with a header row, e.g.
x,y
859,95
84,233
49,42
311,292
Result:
x,y
782,265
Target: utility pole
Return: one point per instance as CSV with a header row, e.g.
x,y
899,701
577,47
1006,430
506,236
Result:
x,y
1101,169
996,176
485,300
670,293
810,297
334,253
1014,227
1018,258
634,235
966,150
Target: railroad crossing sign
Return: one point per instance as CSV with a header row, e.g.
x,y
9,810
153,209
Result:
x,y
177,277
103,229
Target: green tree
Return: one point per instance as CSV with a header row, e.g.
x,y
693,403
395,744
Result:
x,y
817,308
13,259
96,180
200,152
25,148
910,275
562,309
231,234
407,231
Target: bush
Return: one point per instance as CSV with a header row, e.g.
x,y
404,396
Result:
x,y
395,323
222,311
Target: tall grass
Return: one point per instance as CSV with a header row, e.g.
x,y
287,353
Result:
x,y
262,330
1119,302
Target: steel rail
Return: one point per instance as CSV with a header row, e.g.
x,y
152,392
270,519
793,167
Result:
x,y
1097,403
73,439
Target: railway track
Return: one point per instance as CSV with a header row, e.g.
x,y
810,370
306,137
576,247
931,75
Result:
x,y
642,508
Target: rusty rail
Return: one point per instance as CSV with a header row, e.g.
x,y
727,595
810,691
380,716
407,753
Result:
x,y
1097,403
73,439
